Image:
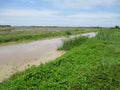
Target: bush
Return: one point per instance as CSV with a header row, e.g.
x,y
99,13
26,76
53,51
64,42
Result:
x,y
68,32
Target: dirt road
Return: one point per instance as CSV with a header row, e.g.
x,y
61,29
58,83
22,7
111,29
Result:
x,y
18,57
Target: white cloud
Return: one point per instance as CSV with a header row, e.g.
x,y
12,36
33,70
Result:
x,y
51,17
56,14
29,12
95,15
86,4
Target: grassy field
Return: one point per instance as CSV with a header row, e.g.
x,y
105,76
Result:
x,y
11,35
93,64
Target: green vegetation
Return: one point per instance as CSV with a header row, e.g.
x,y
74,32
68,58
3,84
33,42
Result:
x,y
116,27
27,37
68,32
93,64
24,34
74,42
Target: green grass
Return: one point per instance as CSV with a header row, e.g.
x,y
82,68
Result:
x,y
10,35
92,65
24,37
74,42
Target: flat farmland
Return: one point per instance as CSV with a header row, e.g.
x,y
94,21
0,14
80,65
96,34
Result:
x,y
12,35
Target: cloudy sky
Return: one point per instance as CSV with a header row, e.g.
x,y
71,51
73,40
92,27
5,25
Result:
x,y
60,12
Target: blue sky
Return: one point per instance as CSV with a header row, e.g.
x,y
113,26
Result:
x,y
60,12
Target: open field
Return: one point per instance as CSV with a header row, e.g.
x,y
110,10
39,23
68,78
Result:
x,y
93,64
11,35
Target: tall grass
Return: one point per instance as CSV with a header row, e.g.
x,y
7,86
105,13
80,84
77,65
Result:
x,y
108,35
74,42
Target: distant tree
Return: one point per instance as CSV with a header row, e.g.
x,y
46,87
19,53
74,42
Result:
x,y
116,27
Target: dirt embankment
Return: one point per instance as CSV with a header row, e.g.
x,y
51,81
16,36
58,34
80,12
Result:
x,y
6,70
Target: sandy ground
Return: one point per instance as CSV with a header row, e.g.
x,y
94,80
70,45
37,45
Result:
x,y
6,70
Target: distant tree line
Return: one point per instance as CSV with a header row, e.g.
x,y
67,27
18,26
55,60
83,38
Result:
x,y
5,25
115,27
62,26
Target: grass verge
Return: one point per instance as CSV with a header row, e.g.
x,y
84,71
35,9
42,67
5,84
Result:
x,y
94,65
